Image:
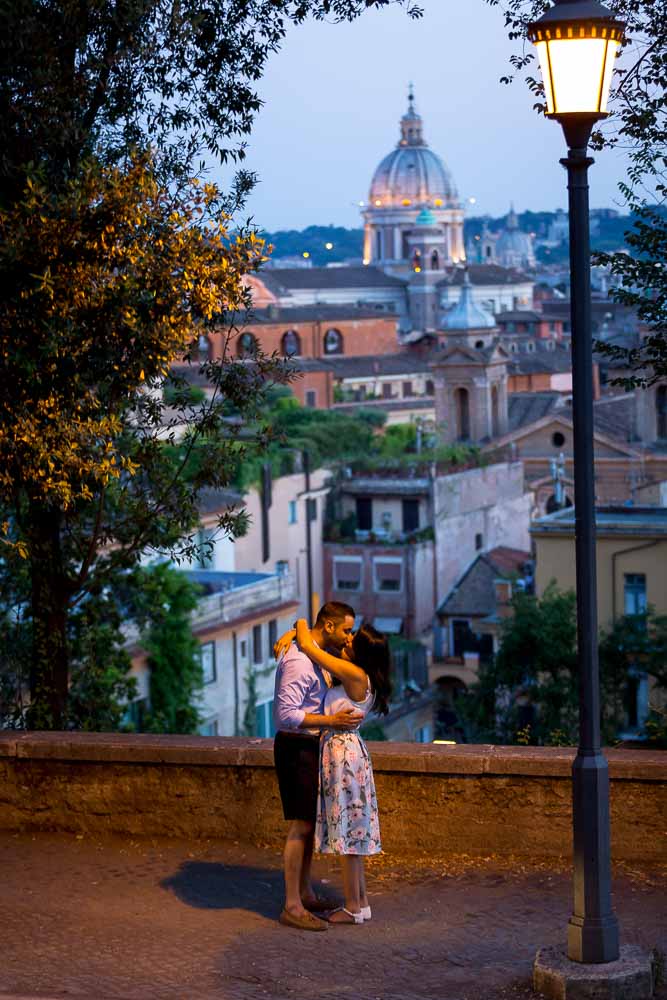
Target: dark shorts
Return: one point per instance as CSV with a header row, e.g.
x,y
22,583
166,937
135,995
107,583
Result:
x,y
297,759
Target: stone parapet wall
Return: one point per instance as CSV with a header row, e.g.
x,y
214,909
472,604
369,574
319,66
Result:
x,y
471,799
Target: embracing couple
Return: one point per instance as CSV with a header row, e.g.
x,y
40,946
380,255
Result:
x,y
324,771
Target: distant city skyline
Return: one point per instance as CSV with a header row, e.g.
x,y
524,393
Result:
x,y
335,92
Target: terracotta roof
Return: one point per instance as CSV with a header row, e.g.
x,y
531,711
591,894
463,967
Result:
x,y
351,366
615,416
529,407
519,316
486,274
279,279
475,592
310,313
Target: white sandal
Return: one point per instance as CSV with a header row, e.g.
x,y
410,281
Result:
x,y
365,911
357,918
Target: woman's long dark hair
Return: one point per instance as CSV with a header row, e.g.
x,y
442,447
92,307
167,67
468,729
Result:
x,y
370,651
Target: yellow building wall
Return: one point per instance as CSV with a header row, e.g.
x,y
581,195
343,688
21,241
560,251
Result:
x,y
554,560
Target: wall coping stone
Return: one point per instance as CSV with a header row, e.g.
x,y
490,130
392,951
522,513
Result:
x,y
217,751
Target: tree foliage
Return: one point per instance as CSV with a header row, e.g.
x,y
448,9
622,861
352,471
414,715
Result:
x,y
172,652
528,693
115,258
638,126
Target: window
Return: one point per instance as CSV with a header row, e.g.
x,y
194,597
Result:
x,y
247,345
388,574
207,653
495,411
661,410
257,656
243,649
292,512
291,343
282,567
209,728
462,414
410,510
430,387
634,593
557,439
479,345
333,342
435,260
479,541
364,513
311,509
386,390
347,573
311,398
273,634
423,734
407,388
203,348
461,636
264,719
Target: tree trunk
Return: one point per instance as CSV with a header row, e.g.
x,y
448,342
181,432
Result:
x,y
49,669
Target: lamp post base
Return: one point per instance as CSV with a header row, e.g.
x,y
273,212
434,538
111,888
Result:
x,y
630,977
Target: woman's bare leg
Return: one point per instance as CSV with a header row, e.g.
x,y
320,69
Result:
x,y
352,868
363,898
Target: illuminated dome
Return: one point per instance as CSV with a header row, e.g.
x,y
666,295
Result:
x,y
412,192
412,173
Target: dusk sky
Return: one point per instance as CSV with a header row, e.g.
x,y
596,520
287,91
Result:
x,y
334,93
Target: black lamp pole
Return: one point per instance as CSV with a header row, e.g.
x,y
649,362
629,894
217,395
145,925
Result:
x,y
576,80
592,934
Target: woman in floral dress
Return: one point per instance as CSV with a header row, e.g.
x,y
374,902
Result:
x,y
347,812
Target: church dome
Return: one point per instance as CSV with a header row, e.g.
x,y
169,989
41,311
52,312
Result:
x,y
514,248
412,174
466,314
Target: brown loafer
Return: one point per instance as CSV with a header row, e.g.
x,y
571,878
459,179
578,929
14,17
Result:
x,y
305,923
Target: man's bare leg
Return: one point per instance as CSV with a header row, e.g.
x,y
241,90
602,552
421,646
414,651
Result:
x,y
306,884
300,833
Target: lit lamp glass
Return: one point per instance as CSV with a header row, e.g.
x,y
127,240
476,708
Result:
x,y
576,43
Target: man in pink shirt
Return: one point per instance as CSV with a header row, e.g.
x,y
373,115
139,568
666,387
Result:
x,y
297,710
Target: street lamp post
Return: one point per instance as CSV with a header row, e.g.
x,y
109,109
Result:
x,y
577,42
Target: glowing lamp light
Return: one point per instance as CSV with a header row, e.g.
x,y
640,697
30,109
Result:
x,y
576,44
378,202
329,246
448,743
406,201
437,202
472,201
305,254
417,269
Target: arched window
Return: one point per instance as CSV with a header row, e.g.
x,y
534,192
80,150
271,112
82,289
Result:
x,y
291,343
661,410
435,260
462,405
333,342
247,345
495,412
203,348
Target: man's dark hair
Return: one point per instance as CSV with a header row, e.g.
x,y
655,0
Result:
x,y
333,611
